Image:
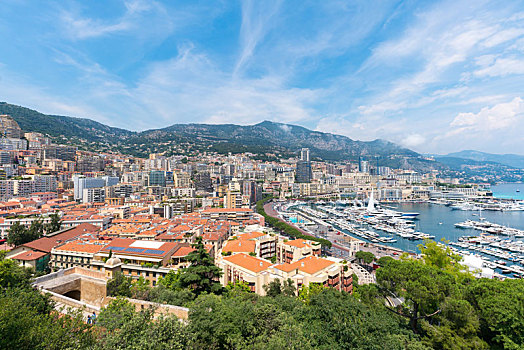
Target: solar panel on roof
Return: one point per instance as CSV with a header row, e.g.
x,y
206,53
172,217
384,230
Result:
x,y
154,251
134,250
115,248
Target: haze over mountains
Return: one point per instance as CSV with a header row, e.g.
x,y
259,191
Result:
x,y
513,160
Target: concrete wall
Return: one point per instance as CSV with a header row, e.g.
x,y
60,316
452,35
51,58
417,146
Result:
x,y
160,309
69,302
92,288
92,291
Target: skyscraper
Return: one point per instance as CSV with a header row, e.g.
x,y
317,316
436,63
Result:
x,y
304,174
304,154
363,165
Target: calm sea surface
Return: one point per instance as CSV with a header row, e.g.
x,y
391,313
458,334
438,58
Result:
x,y
509,191
439,220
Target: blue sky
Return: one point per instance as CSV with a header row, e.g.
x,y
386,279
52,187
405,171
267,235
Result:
x,y
434,76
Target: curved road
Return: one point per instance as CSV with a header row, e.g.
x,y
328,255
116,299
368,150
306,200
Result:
x,y
268,208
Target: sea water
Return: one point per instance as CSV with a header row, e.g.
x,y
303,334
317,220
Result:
x,y
508,190
439,221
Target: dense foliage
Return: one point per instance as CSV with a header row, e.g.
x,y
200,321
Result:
x,y
19,234
452,310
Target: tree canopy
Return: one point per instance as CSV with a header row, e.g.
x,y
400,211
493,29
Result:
x,y
428,308
18,234
366,257
202,274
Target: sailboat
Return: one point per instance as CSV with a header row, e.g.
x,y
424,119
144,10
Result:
x,y
371,203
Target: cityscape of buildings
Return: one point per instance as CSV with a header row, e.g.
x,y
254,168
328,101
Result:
x,y
262,175
149,211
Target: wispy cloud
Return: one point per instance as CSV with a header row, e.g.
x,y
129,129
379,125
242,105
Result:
x,y
402,71
256,22
502,67
201,91
495,128
79,27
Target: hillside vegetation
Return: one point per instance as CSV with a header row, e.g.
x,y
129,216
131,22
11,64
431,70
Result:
x,y
266,139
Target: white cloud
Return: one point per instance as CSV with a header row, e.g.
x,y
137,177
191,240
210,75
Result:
x,y
381,108
413,140
502,67
256,17
503,36
191,88
497,129
84,28
500,116
77,27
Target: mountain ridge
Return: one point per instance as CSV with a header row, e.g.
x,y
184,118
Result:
x,y
270,139
509,159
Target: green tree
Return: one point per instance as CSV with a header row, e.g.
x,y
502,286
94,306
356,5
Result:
x,y
117,313
18,234
141,289
288,288
273,288
500,306
28,321
171,280
456,327
221,322
54,224
359,326
442,257
13,275
179,297
140,331
119,285
36,230
366,257
306,293
239,288
423,287
383,261
201,275
368,294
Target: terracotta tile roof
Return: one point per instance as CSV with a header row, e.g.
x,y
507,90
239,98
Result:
x,y
248,262
298,243
209,236
181,228
30,255
123,244
240,246
151,232
251,235
183,251
309,265
45,244
83,246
